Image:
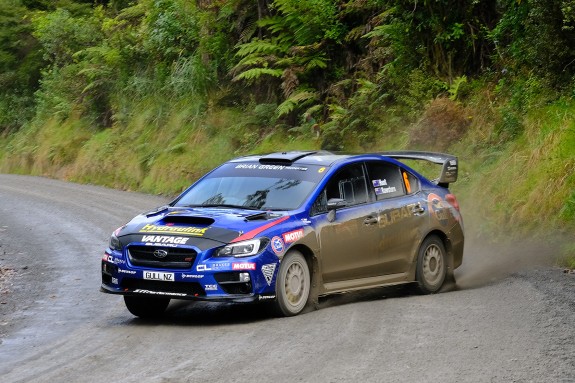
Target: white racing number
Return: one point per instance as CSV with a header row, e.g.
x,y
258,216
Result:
x,y
159,276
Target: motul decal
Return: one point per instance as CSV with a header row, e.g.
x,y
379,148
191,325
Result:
x,y
293,236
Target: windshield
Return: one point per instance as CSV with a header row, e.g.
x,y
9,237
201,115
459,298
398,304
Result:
x,y
253,186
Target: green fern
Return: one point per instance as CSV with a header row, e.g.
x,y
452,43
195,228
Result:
x,y
255,73
295,100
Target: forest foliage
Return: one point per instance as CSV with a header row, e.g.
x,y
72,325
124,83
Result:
x,y
429,74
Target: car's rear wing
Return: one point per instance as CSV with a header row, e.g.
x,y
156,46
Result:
x,y
449,163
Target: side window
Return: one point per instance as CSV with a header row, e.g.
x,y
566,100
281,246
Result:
x,y
411,182
348,184
386,180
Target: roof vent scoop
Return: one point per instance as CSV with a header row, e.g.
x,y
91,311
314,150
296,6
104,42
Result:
x,y
284,158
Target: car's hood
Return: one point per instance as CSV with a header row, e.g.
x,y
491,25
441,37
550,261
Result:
x,y
200,226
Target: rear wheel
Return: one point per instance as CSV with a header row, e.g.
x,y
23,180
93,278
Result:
x,y
146,307
431,265
292,284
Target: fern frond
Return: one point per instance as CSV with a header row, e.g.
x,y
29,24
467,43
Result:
x,y
294,101
255,73
258,46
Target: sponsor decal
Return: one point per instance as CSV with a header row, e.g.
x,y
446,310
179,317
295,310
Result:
x,y
163,239
387,190
268,272
305,221
115,261
182,230
389,217
243,266
277,245
264,297
377,183
115,281
270,167
213,266
321,170
438,208
126,271
143,291
191,276
293,236
158,276
211,287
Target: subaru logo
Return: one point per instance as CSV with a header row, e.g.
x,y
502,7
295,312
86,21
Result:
x,y
160,253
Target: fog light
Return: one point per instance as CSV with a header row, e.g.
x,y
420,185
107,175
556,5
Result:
x,y
244,277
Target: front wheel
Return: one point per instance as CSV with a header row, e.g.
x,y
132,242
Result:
x,y
292,284
146,307
431,265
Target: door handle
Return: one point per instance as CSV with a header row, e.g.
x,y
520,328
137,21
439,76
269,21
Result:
x,y
418,209
371,220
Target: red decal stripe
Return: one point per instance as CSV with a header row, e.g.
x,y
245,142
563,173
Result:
x,y
254,232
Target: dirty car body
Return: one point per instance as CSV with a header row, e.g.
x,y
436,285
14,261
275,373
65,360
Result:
x,y
288,228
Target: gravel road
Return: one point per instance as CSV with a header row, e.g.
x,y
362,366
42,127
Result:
x,y
509,319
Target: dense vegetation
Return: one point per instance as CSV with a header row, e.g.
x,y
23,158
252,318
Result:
x,y
149,94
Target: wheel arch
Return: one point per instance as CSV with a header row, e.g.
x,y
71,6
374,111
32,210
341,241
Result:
x,y
446,243
313,266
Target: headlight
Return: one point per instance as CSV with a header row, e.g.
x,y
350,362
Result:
x,y
114,241
243,249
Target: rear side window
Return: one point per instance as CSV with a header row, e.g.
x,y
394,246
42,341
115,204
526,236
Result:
x,y
387,180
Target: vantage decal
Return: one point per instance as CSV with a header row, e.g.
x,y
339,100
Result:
x,y
186,230
165,239
268,272
293,236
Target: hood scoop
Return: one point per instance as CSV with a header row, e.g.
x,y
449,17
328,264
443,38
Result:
x,y
187,220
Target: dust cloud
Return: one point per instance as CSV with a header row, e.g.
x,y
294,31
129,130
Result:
x,y
486,260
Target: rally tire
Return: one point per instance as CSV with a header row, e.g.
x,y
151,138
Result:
x,y
146,307
431,265
293,284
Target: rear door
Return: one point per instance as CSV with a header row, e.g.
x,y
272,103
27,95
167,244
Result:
x,y
401,215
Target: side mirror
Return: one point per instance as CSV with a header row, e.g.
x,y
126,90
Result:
x,y
336,203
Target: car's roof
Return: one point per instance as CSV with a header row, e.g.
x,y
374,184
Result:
x,y
322,157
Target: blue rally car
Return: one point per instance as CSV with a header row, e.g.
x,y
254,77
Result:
x,y
290,227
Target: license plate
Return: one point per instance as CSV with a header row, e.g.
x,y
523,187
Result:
x,y
159,276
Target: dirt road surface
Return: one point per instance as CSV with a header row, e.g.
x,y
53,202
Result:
x,y
511,317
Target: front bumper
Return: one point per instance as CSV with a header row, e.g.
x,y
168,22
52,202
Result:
x,y
215,279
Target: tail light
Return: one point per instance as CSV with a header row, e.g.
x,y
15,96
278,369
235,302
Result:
x,y
450,198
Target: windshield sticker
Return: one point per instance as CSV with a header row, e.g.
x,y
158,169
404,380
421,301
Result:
x,y
277,245
268,272
270,167
187,230
293,236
